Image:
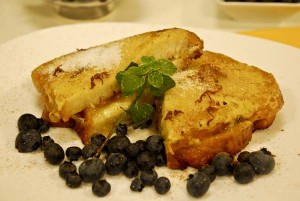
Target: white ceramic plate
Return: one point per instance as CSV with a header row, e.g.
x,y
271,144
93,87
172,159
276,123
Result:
x,y
29,177
259,12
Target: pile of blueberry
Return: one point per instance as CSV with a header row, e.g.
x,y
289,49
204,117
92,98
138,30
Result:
x,y
134,160
248,165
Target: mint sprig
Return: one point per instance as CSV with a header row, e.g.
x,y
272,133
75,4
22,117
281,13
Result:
x,y
153,76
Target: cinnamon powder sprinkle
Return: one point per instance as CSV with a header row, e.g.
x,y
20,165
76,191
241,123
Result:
x,y
98,76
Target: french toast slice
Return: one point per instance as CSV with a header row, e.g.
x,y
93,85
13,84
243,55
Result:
x,y
215,107
92,121
86,78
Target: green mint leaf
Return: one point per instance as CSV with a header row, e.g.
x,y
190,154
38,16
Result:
x,y
168,83
140,113
119,77
143,69
166,67
147,59
131,82
155,79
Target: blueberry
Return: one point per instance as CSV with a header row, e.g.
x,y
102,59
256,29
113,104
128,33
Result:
x,y
131,169
73,180
98,139
115,163
160,160
261,162
243,173
43,126
148,177
141,145
67,168
146,160
91,170
243,156
132,151
88,151
155,144
54,153
28,141
121,129
137,185
162,185
118,143
147,124
209,170
198,184
27,122
223,164
73,153
45,140
101,188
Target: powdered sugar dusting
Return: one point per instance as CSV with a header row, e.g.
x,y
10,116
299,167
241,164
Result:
x,y
187,80
102,58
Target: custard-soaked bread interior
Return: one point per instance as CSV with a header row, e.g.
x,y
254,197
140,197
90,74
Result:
x,y
102,119
215,106
86,79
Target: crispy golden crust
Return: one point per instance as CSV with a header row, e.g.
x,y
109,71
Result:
x,y
231,140
215,107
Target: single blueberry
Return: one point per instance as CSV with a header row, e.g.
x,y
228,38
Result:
x,y
67,168
146,161
243,173
88,151
45,140
210,171
131,169
27,122
28,141
118,144
115,163
73,153
261,162
121,129
43,126
101,188
91,170
73,180
155,144
149,177
198,184
162,185
243,156
54,153
142,144
223,164
98,139
132,151
137,185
